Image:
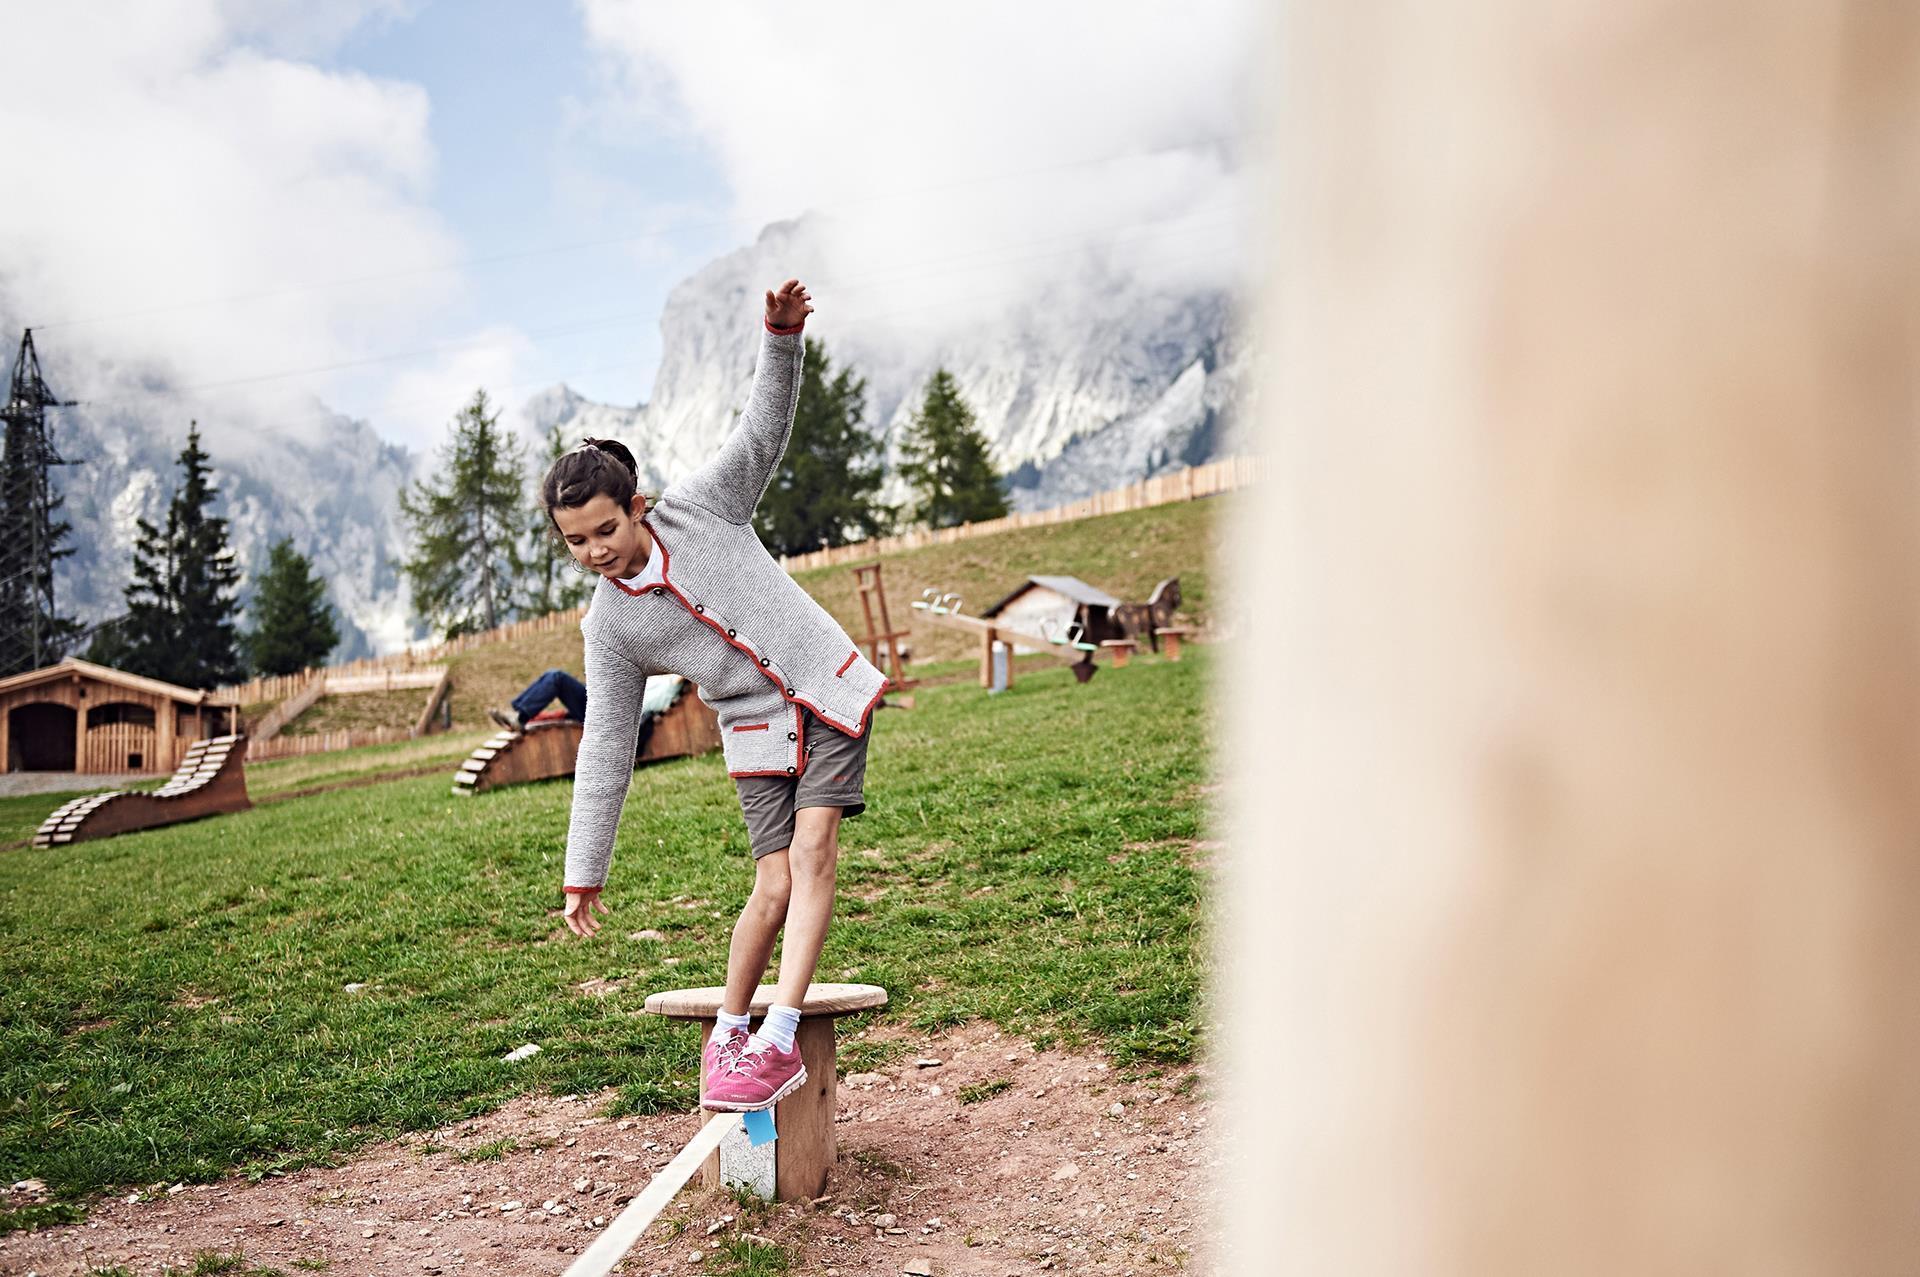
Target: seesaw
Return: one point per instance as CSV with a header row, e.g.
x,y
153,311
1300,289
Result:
x,y
944,609
733,1148
212,779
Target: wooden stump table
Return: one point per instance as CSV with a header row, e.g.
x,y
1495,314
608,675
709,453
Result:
x,y
803,1154
1172,634
1122,649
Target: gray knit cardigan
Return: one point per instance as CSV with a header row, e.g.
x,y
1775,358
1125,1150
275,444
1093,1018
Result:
x,y
727,617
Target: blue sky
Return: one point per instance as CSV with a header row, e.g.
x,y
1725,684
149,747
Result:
x,y
524,168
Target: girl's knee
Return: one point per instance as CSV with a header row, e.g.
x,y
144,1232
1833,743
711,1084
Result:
x,y
772,884
813,857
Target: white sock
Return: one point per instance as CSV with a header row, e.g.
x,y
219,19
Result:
x,y
778,1027
725,1023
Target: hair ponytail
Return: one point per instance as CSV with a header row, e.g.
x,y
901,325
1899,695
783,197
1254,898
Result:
x,y
598,467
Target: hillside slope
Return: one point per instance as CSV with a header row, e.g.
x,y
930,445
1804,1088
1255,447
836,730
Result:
x,y
1124,554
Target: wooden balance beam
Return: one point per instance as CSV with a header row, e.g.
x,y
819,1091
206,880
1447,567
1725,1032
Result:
x,y
212,779
803,1153
612,1246
547,748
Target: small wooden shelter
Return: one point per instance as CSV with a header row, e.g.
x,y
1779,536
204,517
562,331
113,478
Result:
x,y
91,720
1049,604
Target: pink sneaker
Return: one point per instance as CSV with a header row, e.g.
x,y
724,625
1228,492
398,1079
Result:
x,y
760,1078
717,1060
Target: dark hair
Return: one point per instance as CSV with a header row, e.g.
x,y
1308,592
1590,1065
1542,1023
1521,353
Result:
x,y
598,467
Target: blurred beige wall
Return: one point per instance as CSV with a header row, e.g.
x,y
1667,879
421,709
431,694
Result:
x,y
1573,915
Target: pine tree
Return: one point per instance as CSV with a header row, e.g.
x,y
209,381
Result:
x,y
552,586
293,627
467,523
825,493
179,624
944,459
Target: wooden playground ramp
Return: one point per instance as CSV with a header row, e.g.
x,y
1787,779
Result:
x,y
547,748
212,779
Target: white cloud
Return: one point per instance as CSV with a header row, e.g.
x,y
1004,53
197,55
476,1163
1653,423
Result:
x,y
422,400
969,155
165,157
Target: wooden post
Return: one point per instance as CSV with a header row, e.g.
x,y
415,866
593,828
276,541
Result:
x,y
804,1151
1575,869
79,728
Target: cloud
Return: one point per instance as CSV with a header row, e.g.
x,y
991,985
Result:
x,y
970,156
422,400
167,157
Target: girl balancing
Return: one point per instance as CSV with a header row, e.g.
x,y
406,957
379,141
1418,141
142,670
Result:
x,y
687,588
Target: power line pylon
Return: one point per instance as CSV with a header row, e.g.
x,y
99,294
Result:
x,y
32,633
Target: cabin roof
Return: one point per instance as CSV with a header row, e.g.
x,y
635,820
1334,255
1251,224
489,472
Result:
x,y
105,674
1070,586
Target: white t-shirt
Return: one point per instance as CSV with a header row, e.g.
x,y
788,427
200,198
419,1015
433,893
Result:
x,y
649,575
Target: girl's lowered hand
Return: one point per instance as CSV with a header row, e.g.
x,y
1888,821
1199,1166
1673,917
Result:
x,y
789,304
581,906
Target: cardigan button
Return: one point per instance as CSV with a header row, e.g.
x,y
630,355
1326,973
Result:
x,y
789,691
764,662
789,771
793,735
731,633
658,590
699,607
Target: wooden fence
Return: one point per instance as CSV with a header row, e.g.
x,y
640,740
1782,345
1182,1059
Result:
x,y
324,742
1178,485
1163,489
286,711
388,680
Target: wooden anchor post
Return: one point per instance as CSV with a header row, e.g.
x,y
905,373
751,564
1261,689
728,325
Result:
x,y
804,1152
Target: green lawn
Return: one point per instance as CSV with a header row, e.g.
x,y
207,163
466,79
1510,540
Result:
x,y
172,1002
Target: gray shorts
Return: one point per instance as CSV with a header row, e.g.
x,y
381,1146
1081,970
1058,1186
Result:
x,y
835,777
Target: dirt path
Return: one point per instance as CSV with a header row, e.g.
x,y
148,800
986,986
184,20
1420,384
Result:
x,y
1065,1169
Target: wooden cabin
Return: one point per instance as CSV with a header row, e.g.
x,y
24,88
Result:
x,y
1058,601
91,720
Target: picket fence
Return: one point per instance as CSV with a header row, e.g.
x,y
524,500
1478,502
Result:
x,y
1189,484
324,742
1162,489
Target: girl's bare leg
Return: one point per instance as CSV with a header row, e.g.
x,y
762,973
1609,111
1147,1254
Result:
x,y
754,933
813,860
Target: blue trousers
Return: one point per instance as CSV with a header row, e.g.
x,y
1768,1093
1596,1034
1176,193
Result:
x,y
543,691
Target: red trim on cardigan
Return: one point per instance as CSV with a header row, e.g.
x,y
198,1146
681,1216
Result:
x,y
751,727
666,583
578,890
786,332
852,656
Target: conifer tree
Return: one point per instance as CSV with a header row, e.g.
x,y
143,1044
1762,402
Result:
x,y
551,585
944,459
293,626
468,522
179,624
826,491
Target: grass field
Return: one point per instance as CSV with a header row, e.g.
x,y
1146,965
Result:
x,y
173,1003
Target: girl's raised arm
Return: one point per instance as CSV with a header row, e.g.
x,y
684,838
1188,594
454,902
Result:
x,y
732,484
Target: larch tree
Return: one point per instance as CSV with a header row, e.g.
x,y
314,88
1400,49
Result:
x,y
468,524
